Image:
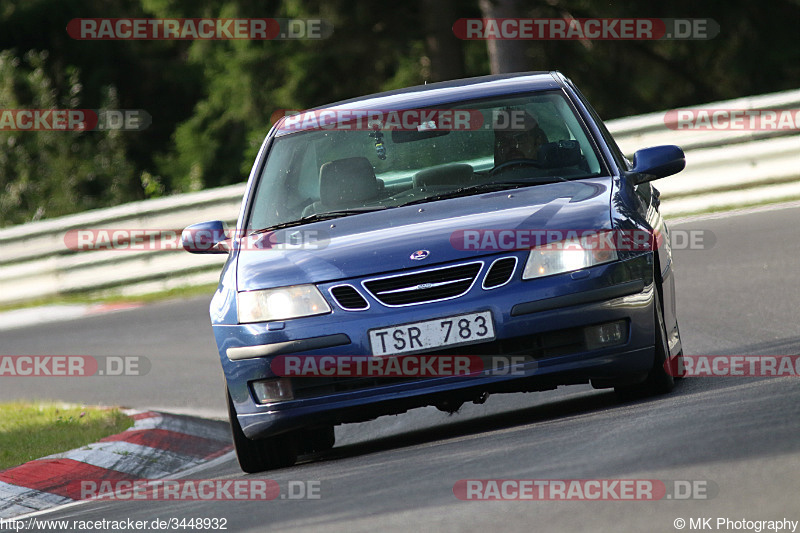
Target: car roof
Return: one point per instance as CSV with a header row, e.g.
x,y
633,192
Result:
x,y
444,92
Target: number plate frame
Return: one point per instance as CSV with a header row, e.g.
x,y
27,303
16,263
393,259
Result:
x,y
431,334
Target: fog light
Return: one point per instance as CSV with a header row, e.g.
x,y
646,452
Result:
x,y
604,335
273,390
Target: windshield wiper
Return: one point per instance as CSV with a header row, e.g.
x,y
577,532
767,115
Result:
x,y
488,187
327,215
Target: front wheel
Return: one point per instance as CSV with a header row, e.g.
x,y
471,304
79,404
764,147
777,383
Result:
x,y
659,380
262,454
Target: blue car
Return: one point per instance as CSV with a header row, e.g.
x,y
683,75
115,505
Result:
x,y
434,245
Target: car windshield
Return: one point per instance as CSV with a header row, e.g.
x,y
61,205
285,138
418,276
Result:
x,y
381,160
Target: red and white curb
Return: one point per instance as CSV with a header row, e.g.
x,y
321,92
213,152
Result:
x,y
158,445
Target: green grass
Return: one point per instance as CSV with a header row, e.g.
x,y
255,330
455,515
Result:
x,y
31,431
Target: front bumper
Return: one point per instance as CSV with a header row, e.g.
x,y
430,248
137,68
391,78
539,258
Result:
x,y
524,313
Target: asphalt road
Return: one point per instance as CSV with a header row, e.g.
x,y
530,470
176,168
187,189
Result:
x,y
740,436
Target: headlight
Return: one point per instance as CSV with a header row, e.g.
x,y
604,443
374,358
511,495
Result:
x,y
281,304
567,256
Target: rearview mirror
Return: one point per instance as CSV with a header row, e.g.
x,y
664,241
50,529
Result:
x,y
657,162
206,238
407,136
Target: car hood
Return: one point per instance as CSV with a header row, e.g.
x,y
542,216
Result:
x,y
383,241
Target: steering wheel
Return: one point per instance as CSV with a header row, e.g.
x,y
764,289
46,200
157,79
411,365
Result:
x,y
515,162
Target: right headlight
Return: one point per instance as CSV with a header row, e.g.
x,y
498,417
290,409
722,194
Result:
x,y
281,304
567,256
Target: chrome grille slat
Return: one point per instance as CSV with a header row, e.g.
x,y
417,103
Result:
x,y
430,285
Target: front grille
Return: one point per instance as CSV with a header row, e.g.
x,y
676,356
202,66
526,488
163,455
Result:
x,y
500,272
348,298
427,286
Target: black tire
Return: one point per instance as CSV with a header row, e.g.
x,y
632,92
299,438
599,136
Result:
x,y
659,380
262,454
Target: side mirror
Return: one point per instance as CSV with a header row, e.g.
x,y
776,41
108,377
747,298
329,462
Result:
x,y
657,162
206,238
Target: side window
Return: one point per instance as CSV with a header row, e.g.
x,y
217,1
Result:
x,y
644,190
616,153
619,157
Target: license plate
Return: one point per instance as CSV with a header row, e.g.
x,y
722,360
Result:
x,y
421,336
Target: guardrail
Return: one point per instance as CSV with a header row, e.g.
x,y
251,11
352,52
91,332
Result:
x,y
724,169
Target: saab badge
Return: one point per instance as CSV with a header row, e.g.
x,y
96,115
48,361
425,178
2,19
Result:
x,y
419,255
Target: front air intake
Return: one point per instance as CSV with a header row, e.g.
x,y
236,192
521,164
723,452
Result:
x,y
348,298
500,273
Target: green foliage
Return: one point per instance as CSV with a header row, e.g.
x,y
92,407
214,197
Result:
x,y
371,49
212,101
51,173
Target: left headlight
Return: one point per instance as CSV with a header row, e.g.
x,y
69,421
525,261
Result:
x,y
566,256
281,304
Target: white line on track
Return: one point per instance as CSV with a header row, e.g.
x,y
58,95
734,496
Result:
x,y
732,213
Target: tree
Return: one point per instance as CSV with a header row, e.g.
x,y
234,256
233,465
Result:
x,y
445,51
51,173
505,55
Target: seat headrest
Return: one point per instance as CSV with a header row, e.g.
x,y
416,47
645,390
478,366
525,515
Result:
x,y
445,175
347,182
